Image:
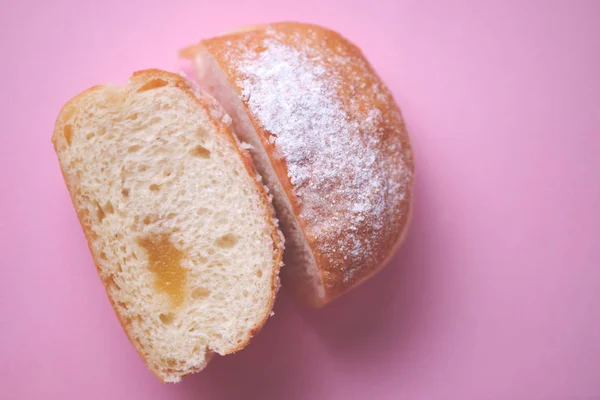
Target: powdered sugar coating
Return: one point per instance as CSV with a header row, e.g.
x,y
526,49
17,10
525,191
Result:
x,y
345,148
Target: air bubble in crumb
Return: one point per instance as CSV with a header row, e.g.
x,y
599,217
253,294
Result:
x,y
68,132
201,152
227,241
110,283
100,213
167,318
108,208
201,260
200,293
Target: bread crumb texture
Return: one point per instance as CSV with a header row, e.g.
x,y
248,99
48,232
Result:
x,y
181,234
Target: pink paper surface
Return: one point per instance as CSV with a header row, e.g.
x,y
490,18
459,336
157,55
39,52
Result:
x,y
496,292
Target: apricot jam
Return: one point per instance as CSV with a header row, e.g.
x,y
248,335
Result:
x,y
164,261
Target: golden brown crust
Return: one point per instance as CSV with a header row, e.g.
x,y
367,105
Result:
x,y
359,92
207,104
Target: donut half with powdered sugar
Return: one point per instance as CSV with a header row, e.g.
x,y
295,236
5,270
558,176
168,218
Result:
x,y
329,141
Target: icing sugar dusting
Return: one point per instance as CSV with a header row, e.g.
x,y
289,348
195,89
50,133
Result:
x,y
337,172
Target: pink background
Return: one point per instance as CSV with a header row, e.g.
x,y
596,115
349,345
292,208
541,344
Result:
x,y
496,293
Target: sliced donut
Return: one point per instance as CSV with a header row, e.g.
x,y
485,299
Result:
x,y
180,228
328,139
